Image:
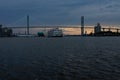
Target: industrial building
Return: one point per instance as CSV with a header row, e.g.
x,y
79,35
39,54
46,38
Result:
x,y
5,32
40,34
97,28
98,31
55,33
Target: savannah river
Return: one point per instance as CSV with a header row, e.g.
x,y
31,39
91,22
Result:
x,y
66,58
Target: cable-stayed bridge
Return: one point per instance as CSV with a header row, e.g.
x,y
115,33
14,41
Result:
x,y
26,22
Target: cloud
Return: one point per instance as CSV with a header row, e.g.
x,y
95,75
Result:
x,y
60,11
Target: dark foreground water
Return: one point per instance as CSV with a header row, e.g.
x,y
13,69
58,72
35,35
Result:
x,y
67,58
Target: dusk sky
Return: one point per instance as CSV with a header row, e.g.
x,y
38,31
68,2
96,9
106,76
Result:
x,y
59,12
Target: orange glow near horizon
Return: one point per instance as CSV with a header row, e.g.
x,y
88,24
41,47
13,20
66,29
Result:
x,y
66,31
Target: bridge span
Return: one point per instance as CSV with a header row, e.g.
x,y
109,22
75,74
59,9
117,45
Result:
x,y
87,28
61,26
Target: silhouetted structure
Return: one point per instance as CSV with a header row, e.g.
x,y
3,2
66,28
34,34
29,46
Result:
x,y
98,32
27,24
97,28
40,34
55,33
82,25
5,32
107,33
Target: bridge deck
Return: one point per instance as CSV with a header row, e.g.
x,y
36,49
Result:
x,y
62,27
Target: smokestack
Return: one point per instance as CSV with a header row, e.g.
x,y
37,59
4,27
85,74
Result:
x,y
27,24
82,25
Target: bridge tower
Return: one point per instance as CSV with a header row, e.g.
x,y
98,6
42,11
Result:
x,y
82,25
27,24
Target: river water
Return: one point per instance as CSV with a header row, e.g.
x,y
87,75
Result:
x,y
67,58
